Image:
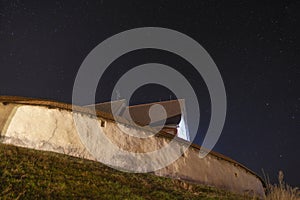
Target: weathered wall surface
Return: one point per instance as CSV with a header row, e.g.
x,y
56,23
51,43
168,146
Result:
x,y
53,129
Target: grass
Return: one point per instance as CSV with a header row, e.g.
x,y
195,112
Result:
x,y
31,174
281,191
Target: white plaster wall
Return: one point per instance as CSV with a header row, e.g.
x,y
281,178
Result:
x,y
41,128
44,129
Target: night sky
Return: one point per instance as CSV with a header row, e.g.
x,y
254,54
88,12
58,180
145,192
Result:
x,y
256,47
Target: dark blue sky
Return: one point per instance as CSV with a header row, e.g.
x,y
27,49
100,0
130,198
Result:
x,y
255,45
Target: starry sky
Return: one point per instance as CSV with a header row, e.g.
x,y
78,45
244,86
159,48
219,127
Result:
x,y
255,45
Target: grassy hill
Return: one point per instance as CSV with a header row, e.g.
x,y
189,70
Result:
x,y
31,174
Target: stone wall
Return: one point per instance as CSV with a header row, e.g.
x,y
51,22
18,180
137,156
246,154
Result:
x,y
43,126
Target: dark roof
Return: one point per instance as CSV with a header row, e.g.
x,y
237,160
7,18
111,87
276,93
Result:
x,y
140,113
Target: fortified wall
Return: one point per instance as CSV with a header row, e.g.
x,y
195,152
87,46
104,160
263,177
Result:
x,y
49,126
